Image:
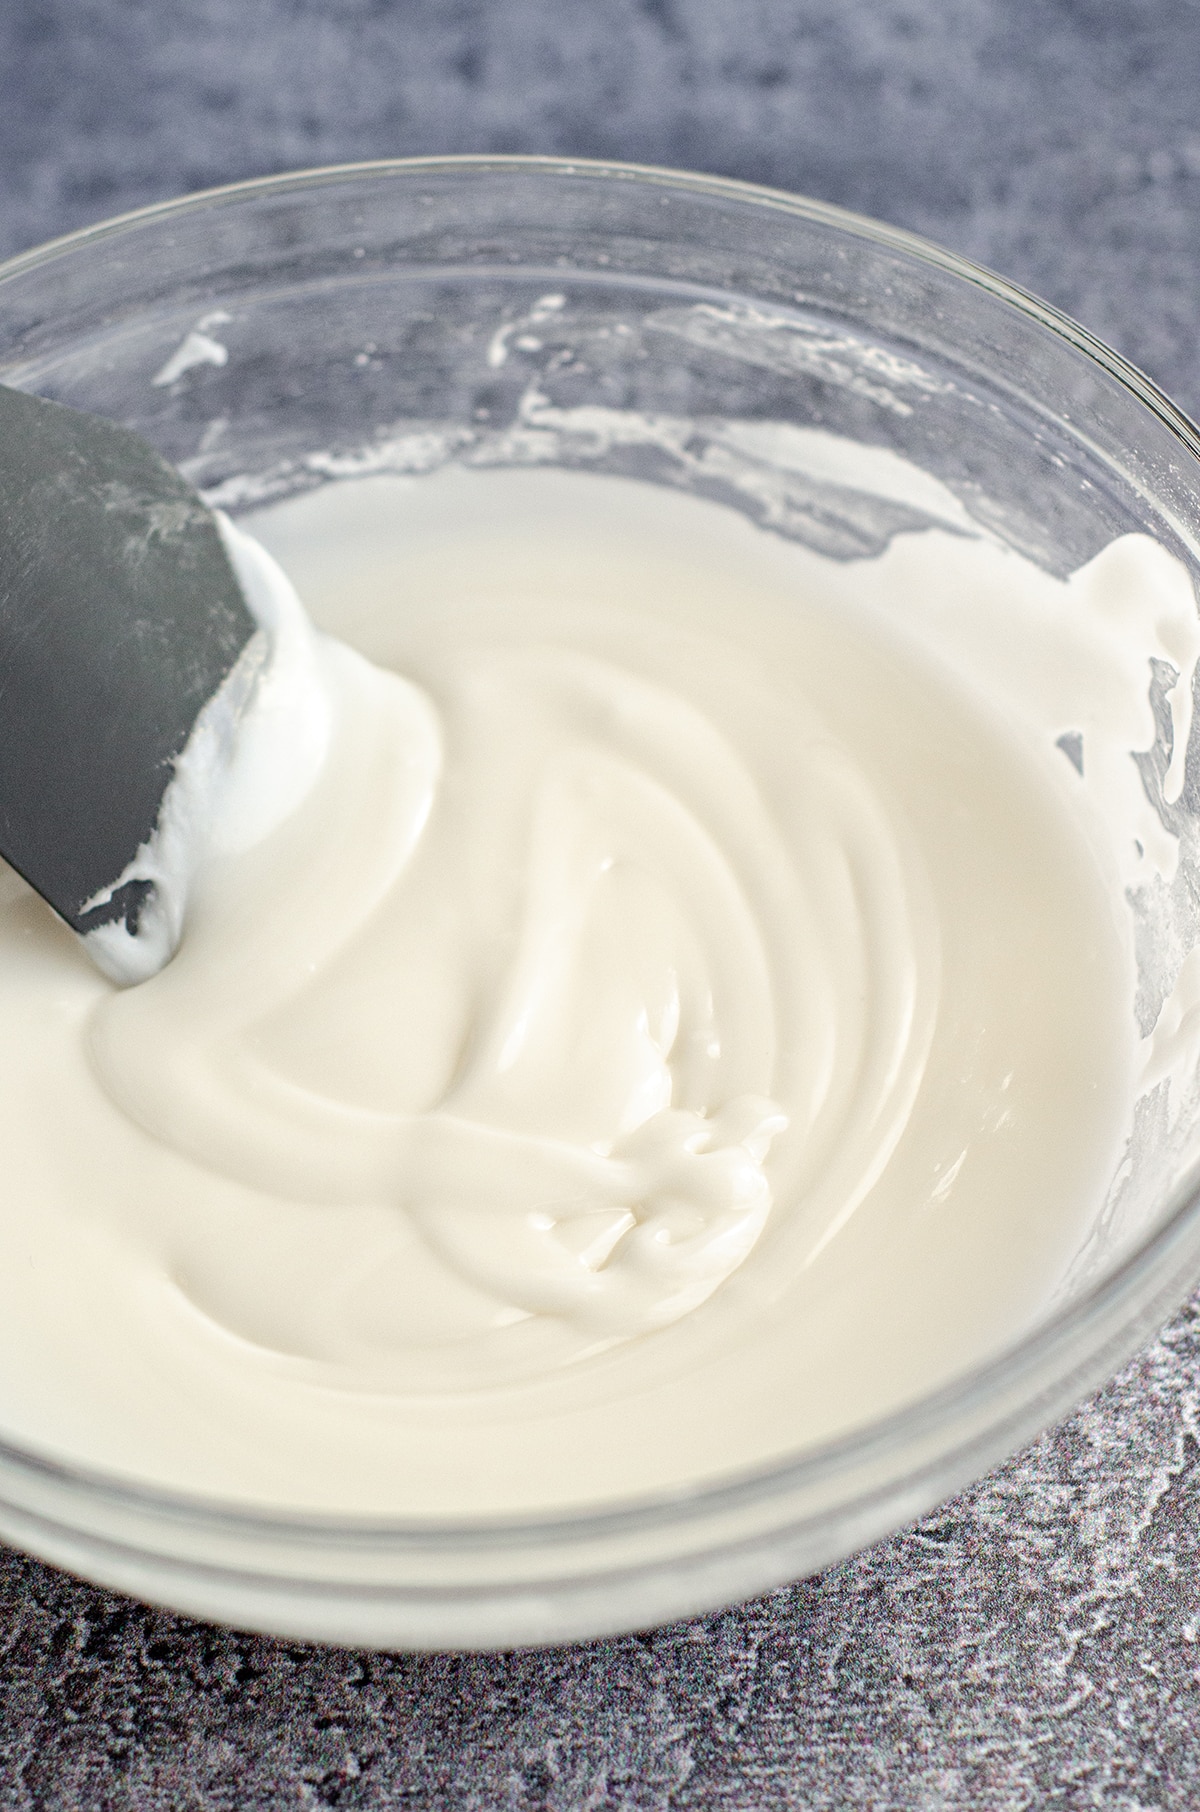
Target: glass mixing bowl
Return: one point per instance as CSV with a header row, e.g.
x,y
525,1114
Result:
x,y
396,316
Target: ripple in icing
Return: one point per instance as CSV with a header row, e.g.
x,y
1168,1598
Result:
x,y
590,929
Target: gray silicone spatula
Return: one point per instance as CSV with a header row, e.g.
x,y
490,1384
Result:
x,y
120,618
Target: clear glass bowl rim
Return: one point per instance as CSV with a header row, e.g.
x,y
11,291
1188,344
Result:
x,y
1066,1355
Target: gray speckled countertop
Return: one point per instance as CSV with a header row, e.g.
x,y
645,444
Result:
x,y
1036,1643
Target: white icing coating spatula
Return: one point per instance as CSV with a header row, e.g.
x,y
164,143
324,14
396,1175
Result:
x,y
120,619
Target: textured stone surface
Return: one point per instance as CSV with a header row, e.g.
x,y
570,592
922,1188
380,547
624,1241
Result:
x,y
1034,1644
1058,142
1037,1642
